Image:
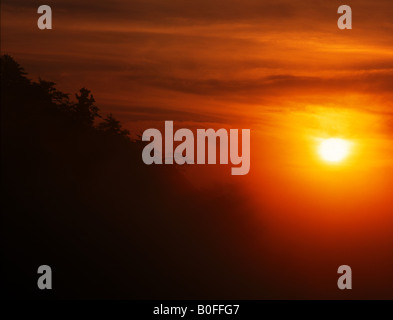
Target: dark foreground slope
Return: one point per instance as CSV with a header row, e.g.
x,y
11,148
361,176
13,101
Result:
x,y
77,197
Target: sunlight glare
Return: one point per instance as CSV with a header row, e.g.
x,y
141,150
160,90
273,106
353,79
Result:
x,y
334,149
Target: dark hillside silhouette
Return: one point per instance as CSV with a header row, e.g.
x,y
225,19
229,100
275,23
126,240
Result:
x,y
76,196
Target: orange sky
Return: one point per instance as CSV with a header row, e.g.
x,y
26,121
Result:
x,y
280,68
216,61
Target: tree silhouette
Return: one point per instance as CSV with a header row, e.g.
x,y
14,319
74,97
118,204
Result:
x,y
85,109
112,126
11,72
89,192
50,92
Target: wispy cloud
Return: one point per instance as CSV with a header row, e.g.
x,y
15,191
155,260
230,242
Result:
x,y
194,58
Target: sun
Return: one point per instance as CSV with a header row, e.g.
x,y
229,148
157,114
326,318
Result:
x,y
334,150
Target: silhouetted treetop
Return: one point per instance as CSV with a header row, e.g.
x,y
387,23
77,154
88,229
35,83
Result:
x,y
12,72
52,94
25,97
85,109
112,126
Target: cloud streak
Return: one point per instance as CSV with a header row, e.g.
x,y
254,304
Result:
x,y
228,59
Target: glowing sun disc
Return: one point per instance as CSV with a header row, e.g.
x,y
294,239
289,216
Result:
x,y
334,149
